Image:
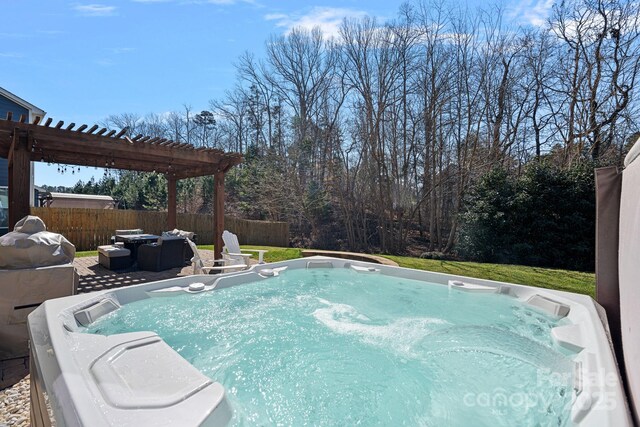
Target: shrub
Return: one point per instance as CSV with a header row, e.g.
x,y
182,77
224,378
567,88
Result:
x,y
545,217
440,256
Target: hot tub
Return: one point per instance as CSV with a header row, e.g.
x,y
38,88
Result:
x,y
324,341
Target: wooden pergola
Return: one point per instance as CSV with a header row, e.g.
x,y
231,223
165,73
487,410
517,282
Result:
x,y
22,142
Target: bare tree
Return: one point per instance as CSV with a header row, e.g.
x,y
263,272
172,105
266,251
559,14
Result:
x,y
601,37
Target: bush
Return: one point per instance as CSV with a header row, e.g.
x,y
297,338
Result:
x,y
440,256
486,223
545,217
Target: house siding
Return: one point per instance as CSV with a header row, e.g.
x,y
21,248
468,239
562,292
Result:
x,y
7,105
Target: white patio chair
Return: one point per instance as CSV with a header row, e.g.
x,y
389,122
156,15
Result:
x,y
232,249
199,263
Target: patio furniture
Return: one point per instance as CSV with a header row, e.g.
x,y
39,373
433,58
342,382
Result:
x,y
114,257
166,253
232,249
125,233
133,241
188,253
35,265
200,268
129,232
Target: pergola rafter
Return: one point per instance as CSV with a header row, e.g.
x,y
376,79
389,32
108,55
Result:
x,y
22,142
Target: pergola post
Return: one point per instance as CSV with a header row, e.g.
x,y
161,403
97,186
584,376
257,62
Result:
x,y
218,213
172,204
19,178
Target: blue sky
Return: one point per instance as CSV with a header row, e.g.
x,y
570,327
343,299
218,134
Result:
x,y
82,61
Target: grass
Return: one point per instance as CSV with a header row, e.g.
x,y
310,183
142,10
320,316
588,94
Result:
x,y
275,254
82,254
562,280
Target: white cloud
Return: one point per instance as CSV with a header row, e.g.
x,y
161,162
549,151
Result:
x,y
94,9
104,62
216,2
50,32
328,19
532,12
275,16
14,35
11,55
120,50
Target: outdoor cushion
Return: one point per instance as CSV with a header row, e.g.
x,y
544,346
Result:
x,y
113,251
114,257
180,233
168,238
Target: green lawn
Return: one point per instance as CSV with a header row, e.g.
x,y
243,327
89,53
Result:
x,y
563,280
275,254
82,254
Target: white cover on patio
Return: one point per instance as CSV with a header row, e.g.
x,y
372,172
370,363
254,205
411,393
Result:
x,y
30,245
35,265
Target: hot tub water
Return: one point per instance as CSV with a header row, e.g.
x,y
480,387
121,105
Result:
x,y
337,347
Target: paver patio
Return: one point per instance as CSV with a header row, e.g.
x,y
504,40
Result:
x,y
94,277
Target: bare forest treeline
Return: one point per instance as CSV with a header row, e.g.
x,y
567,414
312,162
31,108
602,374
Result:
x,y
372,139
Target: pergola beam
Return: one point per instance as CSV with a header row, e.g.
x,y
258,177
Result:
x,y
106,152
25,142
48,139
59,145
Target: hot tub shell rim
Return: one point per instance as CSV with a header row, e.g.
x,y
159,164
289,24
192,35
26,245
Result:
x,y
55,313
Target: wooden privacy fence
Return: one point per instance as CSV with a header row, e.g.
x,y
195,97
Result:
x,y
89,228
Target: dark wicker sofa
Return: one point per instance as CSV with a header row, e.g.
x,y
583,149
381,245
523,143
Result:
x,y
167,253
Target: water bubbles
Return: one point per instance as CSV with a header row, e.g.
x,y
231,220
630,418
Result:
x,y
327,346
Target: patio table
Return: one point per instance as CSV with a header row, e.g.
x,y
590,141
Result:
x,y
133,241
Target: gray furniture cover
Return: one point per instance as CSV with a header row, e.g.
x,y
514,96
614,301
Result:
x,y
31,245
35,265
